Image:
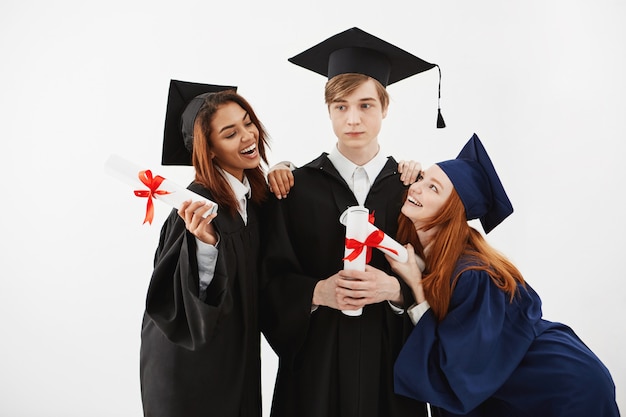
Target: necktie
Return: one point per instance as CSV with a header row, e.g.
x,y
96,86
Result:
x,y
360,185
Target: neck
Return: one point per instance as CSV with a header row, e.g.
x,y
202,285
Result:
x,y
359,156
426,237
237,173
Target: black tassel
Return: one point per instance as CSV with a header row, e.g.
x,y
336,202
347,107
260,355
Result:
x,y
440,123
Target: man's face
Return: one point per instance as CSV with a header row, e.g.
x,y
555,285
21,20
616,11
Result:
x,y
357,118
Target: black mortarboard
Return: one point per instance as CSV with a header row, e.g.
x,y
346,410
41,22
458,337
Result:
x,y
356,51
476,181
183,103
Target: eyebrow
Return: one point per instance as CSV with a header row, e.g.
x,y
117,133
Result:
x,y
245,116
343,100
436,181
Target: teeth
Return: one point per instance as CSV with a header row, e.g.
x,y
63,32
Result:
x,y
249,149
413,201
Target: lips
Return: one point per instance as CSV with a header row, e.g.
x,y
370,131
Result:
x,y
413,201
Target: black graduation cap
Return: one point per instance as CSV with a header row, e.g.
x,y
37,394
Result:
x,y
476,181
356,51
183,103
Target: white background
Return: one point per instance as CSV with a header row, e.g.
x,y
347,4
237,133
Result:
x,y
540,81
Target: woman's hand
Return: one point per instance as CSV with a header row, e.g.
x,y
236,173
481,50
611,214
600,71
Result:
x,y
410,271
280,179
410,171
199,226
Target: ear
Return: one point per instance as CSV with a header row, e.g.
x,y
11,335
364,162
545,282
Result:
x,y
385,111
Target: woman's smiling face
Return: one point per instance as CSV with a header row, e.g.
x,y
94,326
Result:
x,y
234,140
427,195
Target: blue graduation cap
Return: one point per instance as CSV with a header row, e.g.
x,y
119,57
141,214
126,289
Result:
x,y
356,51
183,104
476,181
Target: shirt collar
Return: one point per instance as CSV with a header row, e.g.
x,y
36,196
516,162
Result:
x,y
240,189
346,168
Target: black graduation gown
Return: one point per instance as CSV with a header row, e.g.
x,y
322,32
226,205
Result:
x,y
202,358
330,364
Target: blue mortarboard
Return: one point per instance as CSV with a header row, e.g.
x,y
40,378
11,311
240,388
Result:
x,y
183,103
476,181
356,51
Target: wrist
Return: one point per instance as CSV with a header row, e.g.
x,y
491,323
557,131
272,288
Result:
x,y
418,293
317,298
396,297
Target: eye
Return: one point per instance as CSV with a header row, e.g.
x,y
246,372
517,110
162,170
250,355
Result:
x,y
231,135
419,177
433,187
340,107
366,105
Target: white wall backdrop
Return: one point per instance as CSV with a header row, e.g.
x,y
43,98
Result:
x,y
540,81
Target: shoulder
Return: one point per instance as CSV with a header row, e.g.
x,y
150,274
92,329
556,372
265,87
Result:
x,y
467,276
317,163
200,189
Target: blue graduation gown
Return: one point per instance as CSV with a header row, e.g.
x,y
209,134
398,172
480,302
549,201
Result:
x,y
493,357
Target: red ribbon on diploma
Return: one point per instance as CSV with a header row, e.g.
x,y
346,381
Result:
x,y
153,184
372,241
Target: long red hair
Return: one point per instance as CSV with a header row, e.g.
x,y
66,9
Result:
x,y
207,173
455,239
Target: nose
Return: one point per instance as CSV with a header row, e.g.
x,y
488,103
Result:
x,y
249,134
353,116
415,188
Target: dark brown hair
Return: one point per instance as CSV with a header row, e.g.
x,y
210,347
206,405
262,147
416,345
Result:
x,y
207,173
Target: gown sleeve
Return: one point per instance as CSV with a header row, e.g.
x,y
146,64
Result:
x,y
286,292
463,360
173,301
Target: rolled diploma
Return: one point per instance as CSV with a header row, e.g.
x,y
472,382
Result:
x,y
356,219
388,245
128,172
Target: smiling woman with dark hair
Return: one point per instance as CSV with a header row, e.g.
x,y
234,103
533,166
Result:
x,y
200,339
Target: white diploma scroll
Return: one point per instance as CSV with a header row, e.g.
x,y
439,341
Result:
x,y
175,195
358,228
355,219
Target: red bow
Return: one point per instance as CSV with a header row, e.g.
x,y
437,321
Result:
x,y
153,184
372,241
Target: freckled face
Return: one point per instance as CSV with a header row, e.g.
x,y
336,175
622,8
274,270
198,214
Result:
x,y
426,197
234,140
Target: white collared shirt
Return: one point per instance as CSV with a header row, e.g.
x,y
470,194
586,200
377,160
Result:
x,y
346,167
416,311
242,192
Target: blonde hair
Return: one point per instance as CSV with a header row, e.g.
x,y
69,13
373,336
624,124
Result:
x,y
344,84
